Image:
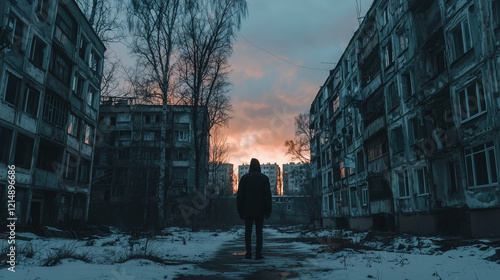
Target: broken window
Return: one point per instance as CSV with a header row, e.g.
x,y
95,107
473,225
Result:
x,y
453,175
392,97
5,141
60,67
354,197
376,148
423,188
37,52
404,186
92,97
88,131
416,130
70,164
398,141
370,68
49,156
31,100
481,165
462,41
95,62
364,196
360,164
66,24
472,101
12,92
406,85
403,39
82,49
42,9
84,171
55,110
385,15
78,83
439,62
73,125
24,151
388,54
17,28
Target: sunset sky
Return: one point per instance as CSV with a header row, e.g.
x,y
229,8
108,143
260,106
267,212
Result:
x,y
268,92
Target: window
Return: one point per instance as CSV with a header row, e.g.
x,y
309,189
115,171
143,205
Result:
x,y
364,196
24,150
385,15
92,97
388,54
404,187
416,130
472,101
78,83
462,41
406,85
397,139
481,165
354,197
453,174
82,49
18,28
73,125
55,110
42,8
5,141
84,171
31,100
12,92
376,148
496,12
65,24
37,52
88,131
392,97
70,164
403,39
182,135
360,161
95,62
60,67
423,188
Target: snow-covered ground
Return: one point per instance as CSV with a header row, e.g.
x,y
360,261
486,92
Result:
x,y
323,254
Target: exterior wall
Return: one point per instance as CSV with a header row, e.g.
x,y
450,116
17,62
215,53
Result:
x,y
412,106
220,178
53,155
296,178
127,165
272,171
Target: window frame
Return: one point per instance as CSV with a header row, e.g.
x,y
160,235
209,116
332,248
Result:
x,y
465,36
406,184
479,95
488,150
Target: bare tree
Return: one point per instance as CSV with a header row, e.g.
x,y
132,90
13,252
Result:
x,y
153,24
298,148
206,39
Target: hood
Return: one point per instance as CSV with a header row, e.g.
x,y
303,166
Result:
x,y
254,165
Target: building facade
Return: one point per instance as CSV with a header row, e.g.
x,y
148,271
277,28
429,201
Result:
x,y
406,127
50,71
296,179
127,163
221,178
272,171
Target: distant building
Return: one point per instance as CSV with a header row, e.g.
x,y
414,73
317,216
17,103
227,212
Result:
x,y
220,178
272,171
296,179
50,75
406,126
127,162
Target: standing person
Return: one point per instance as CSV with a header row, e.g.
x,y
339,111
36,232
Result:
x,y
253,203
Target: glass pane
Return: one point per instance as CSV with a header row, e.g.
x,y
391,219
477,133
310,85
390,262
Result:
x,y
481,168
470,173
472,103
493,166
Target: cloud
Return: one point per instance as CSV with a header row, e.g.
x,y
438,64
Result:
x,y
269,92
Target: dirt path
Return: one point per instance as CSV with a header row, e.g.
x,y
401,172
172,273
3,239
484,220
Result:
x,y
281,261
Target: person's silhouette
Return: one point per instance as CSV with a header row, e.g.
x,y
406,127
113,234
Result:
x,y
254,203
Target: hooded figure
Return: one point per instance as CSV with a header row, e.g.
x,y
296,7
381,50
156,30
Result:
x,y
254,203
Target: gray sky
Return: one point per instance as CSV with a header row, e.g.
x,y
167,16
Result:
x,y
267,91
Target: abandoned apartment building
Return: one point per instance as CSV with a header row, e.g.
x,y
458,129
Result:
x,y
50,72
406,126
127,162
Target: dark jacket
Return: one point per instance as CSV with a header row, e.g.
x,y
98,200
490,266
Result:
x,y
254,193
